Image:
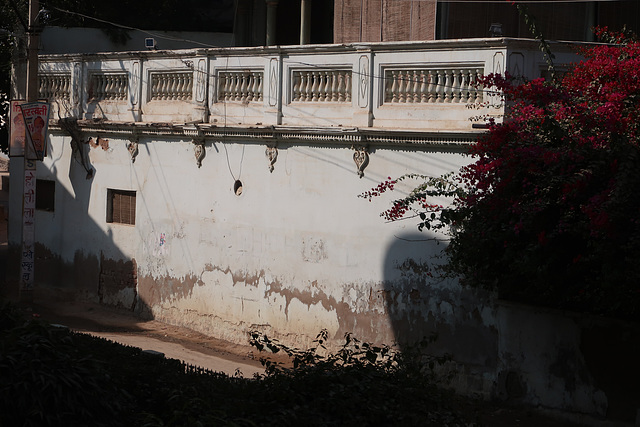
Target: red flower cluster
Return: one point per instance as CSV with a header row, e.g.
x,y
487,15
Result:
x,y
548,211
552,201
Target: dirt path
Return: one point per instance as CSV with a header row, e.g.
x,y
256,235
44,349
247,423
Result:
x,y
174,342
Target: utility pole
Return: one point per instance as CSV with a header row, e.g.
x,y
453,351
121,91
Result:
x,y
27,264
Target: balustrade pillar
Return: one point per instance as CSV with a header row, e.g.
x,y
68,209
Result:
x,y
272,6
305,22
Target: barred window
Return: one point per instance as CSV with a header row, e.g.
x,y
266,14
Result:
x,y
121,206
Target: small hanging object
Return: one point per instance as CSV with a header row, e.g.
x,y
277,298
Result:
x,y
361,157
272,154
199,151
132,147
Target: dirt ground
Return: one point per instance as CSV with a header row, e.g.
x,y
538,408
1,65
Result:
x,y
219,355
174,342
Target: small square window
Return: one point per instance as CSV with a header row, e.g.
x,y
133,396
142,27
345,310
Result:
x,y
45,195
121,206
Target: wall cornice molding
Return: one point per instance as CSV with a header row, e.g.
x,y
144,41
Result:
x,y
296,135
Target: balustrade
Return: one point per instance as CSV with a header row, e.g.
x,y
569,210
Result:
x,y
456,85
321,86
54,86
242,86
109,86
172,86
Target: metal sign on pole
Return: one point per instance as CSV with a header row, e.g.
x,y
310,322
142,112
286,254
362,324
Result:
x,y
36,121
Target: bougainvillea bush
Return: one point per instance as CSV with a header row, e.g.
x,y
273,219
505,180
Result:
x,y
550,212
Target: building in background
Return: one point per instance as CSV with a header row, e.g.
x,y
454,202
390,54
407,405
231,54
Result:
x,y
217,188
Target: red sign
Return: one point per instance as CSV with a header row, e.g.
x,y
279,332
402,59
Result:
x,y
36,120
18,131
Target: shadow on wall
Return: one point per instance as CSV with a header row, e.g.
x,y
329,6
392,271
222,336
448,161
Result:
x,y
522,354
92,268
421,301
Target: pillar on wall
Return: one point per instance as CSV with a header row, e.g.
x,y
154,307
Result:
x,y
305,22
242,23
271,22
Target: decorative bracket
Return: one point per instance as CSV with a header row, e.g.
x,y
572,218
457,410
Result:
x,y
199,151
272,154
132,147
361,157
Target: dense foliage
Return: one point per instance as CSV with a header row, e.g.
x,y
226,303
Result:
x,y
548,212
51,376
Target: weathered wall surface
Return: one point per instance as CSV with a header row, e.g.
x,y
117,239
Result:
x,y
297,251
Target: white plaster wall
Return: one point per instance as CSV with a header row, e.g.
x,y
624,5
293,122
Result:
x,y
284,254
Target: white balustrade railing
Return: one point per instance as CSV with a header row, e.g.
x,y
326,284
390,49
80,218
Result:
x,y
171,86
243,86
112,87
364,85
54,86
321,86
441,85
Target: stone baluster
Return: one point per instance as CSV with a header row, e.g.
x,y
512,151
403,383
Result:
x,y
448,86
104,85
424,77
189,93
464,86
125,87
259,90
479,88
251,81
223,88
347,81
327,85
456,85
243,88
110,88
334,86
231,83
402,96
321,86
393,95
180,85
341,87
297,81
162,86
117,87
42,87
439,86
66,87
304,83
183,82
237,85
308,86
431,88
416,86
314,88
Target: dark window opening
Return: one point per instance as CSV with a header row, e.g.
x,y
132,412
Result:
x,y
45,195
121,206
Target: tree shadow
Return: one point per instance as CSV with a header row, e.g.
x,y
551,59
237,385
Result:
x,y
67,267
421,300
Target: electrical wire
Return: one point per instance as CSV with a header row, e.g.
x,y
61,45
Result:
x,y
310,65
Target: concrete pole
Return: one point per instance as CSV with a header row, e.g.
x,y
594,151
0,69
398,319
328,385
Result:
x,y
34,40
305,22
271,21
27,256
